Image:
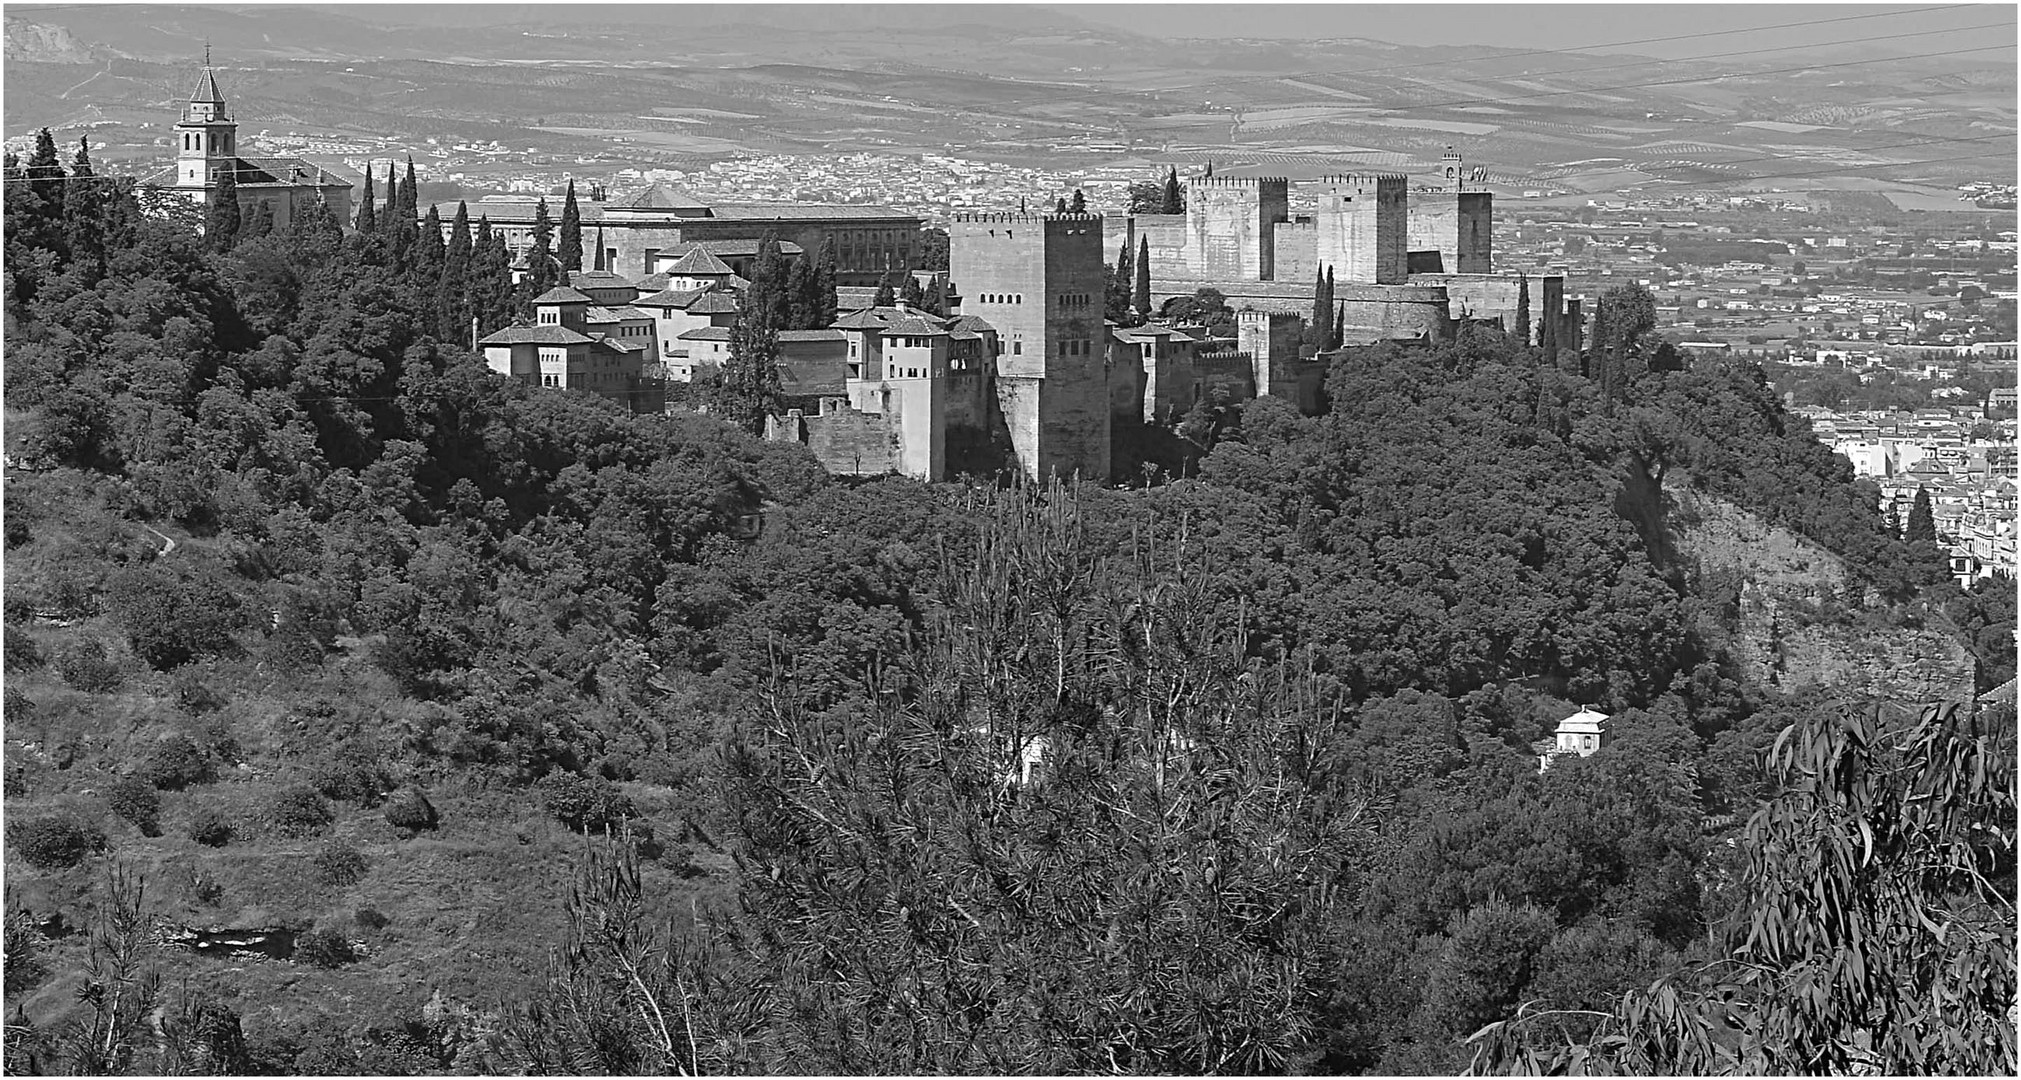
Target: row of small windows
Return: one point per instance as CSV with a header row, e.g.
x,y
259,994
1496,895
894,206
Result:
x,y
1076,347
1003,298
1075,300
193,141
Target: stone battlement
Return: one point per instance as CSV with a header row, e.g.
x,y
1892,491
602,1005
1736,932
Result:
x,y
1238,181
1014,218
1364,179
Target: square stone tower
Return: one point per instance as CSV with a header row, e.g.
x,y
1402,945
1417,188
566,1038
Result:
x,y
1037,278
1271,338
1231,226
1362,223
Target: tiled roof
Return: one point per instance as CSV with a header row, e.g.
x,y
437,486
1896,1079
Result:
x,y
207,89
712,303
738,248
534,335
699,263
669,298
598,314
707,333
610,344
810,335
662,197
892,320
974,323
561,294
808,212
596,279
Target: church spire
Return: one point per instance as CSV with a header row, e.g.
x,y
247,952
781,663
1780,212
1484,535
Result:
x,y
206,102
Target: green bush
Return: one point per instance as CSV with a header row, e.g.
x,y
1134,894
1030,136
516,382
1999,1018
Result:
x,y
173,616
83,665
410,809
137,802
298,809
340,864
20,652
324,949
211,827
371,919
584,803
353,774
195,696
175,763
57,841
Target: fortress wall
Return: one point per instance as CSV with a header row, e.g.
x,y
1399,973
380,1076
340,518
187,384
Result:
x,y
1297,251
1362,224
851,443
1229,225
1272,340
1476,233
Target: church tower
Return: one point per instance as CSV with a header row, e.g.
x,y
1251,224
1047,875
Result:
x,y
206,137
1452,171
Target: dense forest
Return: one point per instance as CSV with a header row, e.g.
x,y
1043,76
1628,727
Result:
x,y
488,714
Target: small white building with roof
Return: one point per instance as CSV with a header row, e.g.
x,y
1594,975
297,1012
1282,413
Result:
x,y
1582,733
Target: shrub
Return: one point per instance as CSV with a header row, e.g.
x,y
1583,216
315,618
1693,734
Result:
x,y
23,966
20,709
18,532
136,801
57,841
410,809
340,864
584,803
195,696
211,828
172,617
324,949
298,809
83,666
175,763
371,919
20,653
352,774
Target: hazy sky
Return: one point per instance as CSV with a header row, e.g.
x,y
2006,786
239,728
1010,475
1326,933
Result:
x,y
1572,26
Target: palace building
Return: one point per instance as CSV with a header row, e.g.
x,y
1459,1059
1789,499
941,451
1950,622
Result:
x,y
206,141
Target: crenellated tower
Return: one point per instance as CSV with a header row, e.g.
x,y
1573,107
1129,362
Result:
x,y
1362,225
1038,279
1231,225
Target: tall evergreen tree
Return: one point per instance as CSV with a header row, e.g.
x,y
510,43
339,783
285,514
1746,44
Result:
x,y
1140,297
257,225
45,172
886,295
770,294
909,290
1523,309
570,251
803,295
1060,205
1175,197
1922,527
389,214
221,223
1078,204
1339,324
83,204
1116,286
426,275
749,390
452,293
824,285
541,274
368,212
936,300
1331,341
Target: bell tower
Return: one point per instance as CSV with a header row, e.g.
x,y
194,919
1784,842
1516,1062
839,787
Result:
x,y
206,137
1452,173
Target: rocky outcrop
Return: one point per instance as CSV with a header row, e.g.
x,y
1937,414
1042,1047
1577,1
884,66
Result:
x,y
40,43
1800,619
270,942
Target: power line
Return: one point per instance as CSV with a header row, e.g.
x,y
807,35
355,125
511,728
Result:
x,y
1584,48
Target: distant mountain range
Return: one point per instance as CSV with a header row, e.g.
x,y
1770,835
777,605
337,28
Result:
x,y
1007,81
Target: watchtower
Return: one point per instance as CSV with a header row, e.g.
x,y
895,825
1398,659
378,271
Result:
x,y
206,137
1362,226
1037,278
1231,224
1456,223
1271,339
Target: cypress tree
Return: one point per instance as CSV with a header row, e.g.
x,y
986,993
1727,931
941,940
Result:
x,y
1140,298
824,286
1116,286
749,390
1325,316
885,295
427,274
410,197
540,268
1060,205
1922,528
389,214
804,298
770,295
1321,322
936,301
368,214
1339,324
1175,198
1078,204
45,172
83,231
909,291
452,293
259,224
570,251
221,225
1523,309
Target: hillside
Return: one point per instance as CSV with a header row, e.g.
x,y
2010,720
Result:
x,y
454,725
